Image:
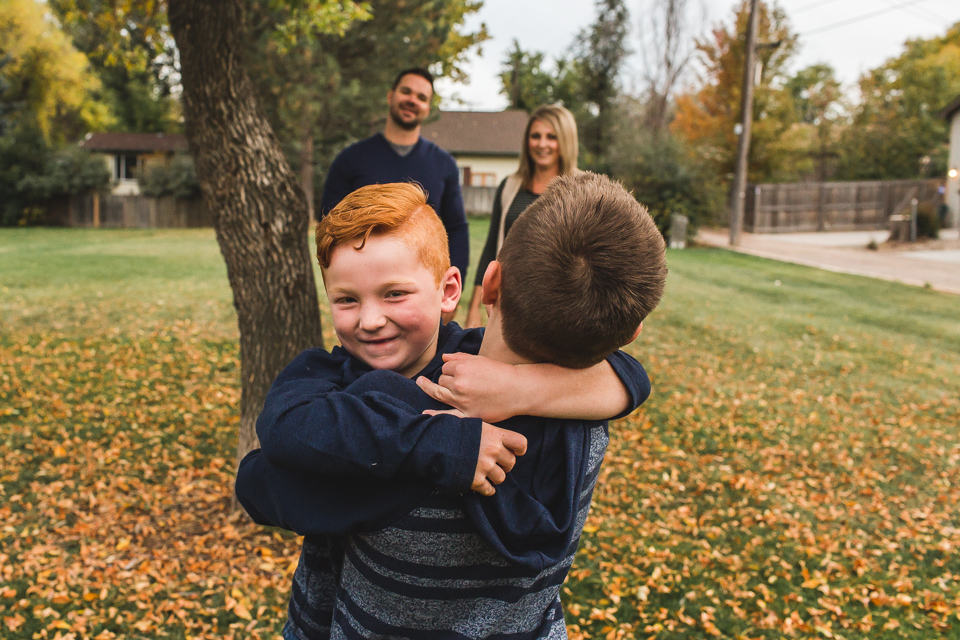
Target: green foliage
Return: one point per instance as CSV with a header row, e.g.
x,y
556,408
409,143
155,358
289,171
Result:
x,y
662,172
897,123
598,52
23,152
131,50
178,179
47,83
33,173
67,171
928,222
706,116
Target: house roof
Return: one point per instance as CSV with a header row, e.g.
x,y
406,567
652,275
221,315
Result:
x,y
478,132
141,142
951,109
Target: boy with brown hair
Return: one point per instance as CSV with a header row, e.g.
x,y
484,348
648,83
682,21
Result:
x,y
413,554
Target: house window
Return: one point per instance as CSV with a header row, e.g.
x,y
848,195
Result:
x,y
124,167
483,179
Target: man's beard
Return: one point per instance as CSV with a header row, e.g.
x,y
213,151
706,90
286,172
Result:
x,y
406,126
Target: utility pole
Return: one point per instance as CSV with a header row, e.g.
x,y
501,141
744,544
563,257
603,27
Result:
x,y
746,119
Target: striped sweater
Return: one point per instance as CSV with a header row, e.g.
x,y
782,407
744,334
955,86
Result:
x,y
432,575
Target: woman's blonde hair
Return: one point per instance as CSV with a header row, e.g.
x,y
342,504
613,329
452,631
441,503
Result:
x,y
565,126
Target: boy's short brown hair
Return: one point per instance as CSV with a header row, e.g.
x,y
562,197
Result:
x,y
399,209
580,269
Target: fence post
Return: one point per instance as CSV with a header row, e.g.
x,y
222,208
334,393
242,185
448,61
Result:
x,y
913,220
821,216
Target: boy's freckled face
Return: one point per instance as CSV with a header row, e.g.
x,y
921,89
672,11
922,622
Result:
x,y
385,304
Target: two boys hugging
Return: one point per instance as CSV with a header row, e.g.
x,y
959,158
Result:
x,y
375,470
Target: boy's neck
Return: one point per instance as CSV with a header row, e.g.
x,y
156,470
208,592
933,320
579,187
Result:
x,y
495,347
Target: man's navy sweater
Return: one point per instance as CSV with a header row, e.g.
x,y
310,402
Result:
x,y
346,449
373,161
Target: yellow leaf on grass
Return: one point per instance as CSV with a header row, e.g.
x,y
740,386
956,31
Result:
x,y
590,528
241,612
89,597
124,543
812,583
7,592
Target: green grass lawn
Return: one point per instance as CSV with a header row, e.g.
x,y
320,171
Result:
x,y
795,473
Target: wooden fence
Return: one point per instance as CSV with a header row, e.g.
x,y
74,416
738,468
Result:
x,y
135,212
478,200
832,206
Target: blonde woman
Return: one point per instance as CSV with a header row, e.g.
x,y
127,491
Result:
x,y
549,150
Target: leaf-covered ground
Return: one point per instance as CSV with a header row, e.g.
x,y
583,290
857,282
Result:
x,y
795,473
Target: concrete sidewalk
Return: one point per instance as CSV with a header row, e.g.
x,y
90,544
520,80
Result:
x,y
936,264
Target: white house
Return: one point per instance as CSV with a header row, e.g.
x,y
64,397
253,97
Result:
x,y
952,115
485,144
129,154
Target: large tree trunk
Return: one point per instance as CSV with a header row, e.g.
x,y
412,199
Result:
x,y
258,208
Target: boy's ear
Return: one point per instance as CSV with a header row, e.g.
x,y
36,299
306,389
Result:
x,y
451,287
636,334
491,284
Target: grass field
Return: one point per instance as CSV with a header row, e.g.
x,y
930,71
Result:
x,y
795,473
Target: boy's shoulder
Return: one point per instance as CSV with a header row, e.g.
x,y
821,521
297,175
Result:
x,y
454,338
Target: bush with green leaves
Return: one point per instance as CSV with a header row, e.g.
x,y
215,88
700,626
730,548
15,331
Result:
x,y
32,173
665,177
178,179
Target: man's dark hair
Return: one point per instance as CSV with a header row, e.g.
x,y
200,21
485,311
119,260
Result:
x,y
417,71
580,269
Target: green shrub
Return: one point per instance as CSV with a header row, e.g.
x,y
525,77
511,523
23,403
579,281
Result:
x,y
177,179
928,223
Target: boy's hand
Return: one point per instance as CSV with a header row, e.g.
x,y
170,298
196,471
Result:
x,y
499,449
477,386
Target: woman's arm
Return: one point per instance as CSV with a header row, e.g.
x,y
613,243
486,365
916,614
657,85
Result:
x,y
494,391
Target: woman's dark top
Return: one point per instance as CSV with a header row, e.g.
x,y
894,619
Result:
x,y
523,200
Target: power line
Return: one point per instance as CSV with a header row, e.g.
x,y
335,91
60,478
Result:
x,y
927,14
865,16
811,6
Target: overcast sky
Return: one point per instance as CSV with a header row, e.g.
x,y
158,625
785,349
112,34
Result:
x,y
850,35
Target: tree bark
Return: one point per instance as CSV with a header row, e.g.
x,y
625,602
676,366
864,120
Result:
x,y
258,208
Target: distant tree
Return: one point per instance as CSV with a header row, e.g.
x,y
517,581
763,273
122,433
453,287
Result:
x,y
132,52
47,97
47,82
821,110
706,116
528,80
599,52
896,130
259,211
666,47
661,171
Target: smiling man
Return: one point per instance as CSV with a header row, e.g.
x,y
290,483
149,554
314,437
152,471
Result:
x,y
399,154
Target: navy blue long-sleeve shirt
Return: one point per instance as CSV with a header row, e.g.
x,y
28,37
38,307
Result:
x,y
347,449
373,161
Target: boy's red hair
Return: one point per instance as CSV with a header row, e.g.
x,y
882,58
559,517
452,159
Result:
x,y
399,209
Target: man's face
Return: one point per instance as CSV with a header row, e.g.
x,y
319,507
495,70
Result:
x,y
409,103
385,304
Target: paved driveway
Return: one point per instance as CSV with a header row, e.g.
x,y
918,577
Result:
x,y
846,252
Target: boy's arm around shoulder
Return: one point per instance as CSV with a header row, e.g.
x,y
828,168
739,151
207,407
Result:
x,y
316,505
495,391
314,422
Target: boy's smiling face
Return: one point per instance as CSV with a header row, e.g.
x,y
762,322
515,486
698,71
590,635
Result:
x,y
386,305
